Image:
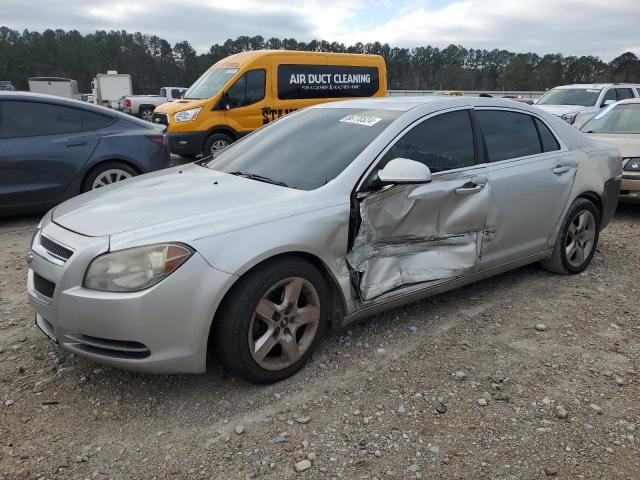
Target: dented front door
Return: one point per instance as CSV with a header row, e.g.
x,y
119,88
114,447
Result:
x,y
414,234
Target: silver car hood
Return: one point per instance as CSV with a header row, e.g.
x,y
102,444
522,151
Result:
x,y
560,110
178,198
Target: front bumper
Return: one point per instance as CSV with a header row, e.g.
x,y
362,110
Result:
x,y
186,143
630,185
163,329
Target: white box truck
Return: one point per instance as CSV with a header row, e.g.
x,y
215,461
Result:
x,y
108,88
60,87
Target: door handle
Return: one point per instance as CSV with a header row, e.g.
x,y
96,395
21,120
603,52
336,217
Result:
x,y
79,144
469,189
559,170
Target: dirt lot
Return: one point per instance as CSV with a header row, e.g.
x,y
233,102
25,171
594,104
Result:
x,y
381,400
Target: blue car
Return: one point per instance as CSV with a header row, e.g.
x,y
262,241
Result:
x,y
52,149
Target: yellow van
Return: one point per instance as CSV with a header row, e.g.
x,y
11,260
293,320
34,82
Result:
x,y
245,91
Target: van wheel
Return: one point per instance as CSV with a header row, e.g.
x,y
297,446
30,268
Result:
x,y
106,174
272,321
215,143
146,113
577,240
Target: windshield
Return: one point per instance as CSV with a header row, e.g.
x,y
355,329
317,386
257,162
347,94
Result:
x,y
307,149
209,83
586,97
623,118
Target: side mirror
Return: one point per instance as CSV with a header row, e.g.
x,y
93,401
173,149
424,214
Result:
x,y
606,103
403,170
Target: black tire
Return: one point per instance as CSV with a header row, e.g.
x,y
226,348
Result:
x,y
229,339
213,143
95,172
558,262
146,113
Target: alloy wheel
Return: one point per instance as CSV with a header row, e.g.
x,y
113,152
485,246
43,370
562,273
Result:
x,y
218,145
147,115
110,176
580,238
284,323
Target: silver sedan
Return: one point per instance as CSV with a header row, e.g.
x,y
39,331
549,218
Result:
x,y
324,217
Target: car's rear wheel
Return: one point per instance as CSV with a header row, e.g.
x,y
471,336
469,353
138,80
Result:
x,y
146,113
215,143
577,240
272,321
106,174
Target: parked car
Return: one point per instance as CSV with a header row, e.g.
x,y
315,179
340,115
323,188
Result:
x,y
52,148
576,104
245,91
143,105
620,125
330,214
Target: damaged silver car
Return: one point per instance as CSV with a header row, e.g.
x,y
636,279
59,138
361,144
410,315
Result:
x,y
326,216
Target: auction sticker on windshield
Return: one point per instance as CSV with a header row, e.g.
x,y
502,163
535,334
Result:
x,y
365,120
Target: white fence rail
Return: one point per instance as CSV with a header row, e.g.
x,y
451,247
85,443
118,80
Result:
x,y
519,94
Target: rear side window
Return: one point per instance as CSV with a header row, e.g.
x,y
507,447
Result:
x,y
624,93
508,134
94,121
442,143
547,140
248,89
26,119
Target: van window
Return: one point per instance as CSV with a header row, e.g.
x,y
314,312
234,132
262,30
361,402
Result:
x,y
442,143
508,134
326,81
51,119
209,83
248,89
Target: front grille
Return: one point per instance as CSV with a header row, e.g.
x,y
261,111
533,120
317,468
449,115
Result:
x,y
107,347
160,119
43,286
55,248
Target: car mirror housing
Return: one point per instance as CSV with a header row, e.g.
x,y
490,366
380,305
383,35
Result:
x,y
403,171
606,103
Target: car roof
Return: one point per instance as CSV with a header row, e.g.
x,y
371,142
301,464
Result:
x,y
596,85
41,97
429,102
628,101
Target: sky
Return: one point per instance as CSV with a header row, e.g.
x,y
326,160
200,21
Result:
x,y
605,28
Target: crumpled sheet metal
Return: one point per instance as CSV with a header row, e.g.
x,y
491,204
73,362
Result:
x,y
403,240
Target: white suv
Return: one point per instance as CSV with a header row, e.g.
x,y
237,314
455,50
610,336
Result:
x,y
576,104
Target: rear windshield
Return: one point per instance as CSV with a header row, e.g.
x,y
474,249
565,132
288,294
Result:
x,y
623,118
585,97
306,149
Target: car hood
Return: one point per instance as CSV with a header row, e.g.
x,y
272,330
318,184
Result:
x,y
628,144
177,199
559,110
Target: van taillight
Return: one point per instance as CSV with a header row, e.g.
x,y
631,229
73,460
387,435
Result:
x,y
127,103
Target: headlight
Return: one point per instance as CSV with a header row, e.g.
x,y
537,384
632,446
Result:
x,y
570,118
136,268
633,165
187,115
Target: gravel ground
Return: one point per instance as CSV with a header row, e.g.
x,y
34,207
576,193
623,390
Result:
x,y
527,375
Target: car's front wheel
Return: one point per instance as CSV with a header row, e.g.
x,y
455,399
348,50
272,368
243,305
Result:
x,y
216,143
577,239
272,321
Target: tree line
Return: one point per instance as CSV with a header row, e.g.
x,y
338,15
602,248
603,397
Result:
x,y
153,62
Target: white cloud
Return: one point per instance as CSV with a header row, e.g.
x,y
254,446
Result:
x,y
579,27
